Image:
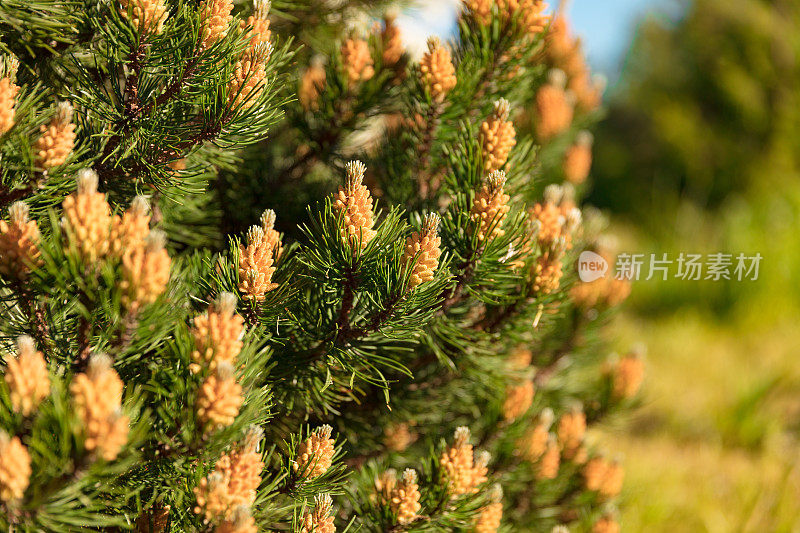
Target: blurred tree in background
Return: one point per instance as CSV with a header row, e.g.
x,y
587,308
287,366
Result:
x,y
700,153
702,142
709,106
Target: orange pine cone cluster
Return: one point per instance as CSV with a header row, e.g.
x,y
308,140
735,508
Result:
x,y
480,10
226,495
490,516
249,73
392,39
462,469
558,41
18,243
87,218
547,274
404,498
27,377
422,252
554,107
603,476
271,235
320,519
131,229
571,430
15,468
497,136
556,220
438,72
93,234
256,264
57,140
550,461
357,60
384,484
490,207
578,159
97,399
256,25
217,334
8,92
566,53
145,272
398,437
241,521
311,85
353,206
216,17
315,453
606,524
147,16
529,14
219,398
627,376
518,400
606,291
520,358
534,442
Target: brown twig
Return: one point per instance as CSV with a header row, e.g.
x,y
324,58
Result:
x,y
35,315
376,323
451,296
343,319
9,196
251,315
84,343
432,120
153,520
129,324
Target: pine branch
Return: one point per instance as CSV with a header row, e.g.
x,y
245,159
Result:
x,y
325,140
377,321
490,72
133,109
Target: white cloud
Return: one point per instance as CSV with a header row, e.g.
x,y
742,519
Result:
x,y
426,19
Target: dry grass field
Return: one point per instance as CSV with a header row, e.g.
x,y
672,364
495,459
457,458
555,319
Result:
x,y
714,446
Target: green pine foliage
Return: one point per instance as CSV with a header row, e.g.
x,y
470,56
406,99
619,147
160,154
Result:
x,y
231,348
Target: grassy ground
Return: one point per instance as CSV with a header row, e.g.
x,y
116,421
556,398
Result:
x,y
714,446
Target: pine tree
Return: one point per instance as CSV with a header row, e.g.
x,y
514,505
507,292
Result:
x,y
257,261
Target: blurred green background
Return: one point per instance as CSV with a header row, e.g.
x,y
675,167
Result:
x,y
700,153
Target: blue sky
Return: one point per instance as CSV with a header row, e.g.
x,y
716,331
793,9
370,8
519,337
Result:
x,y
605,25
